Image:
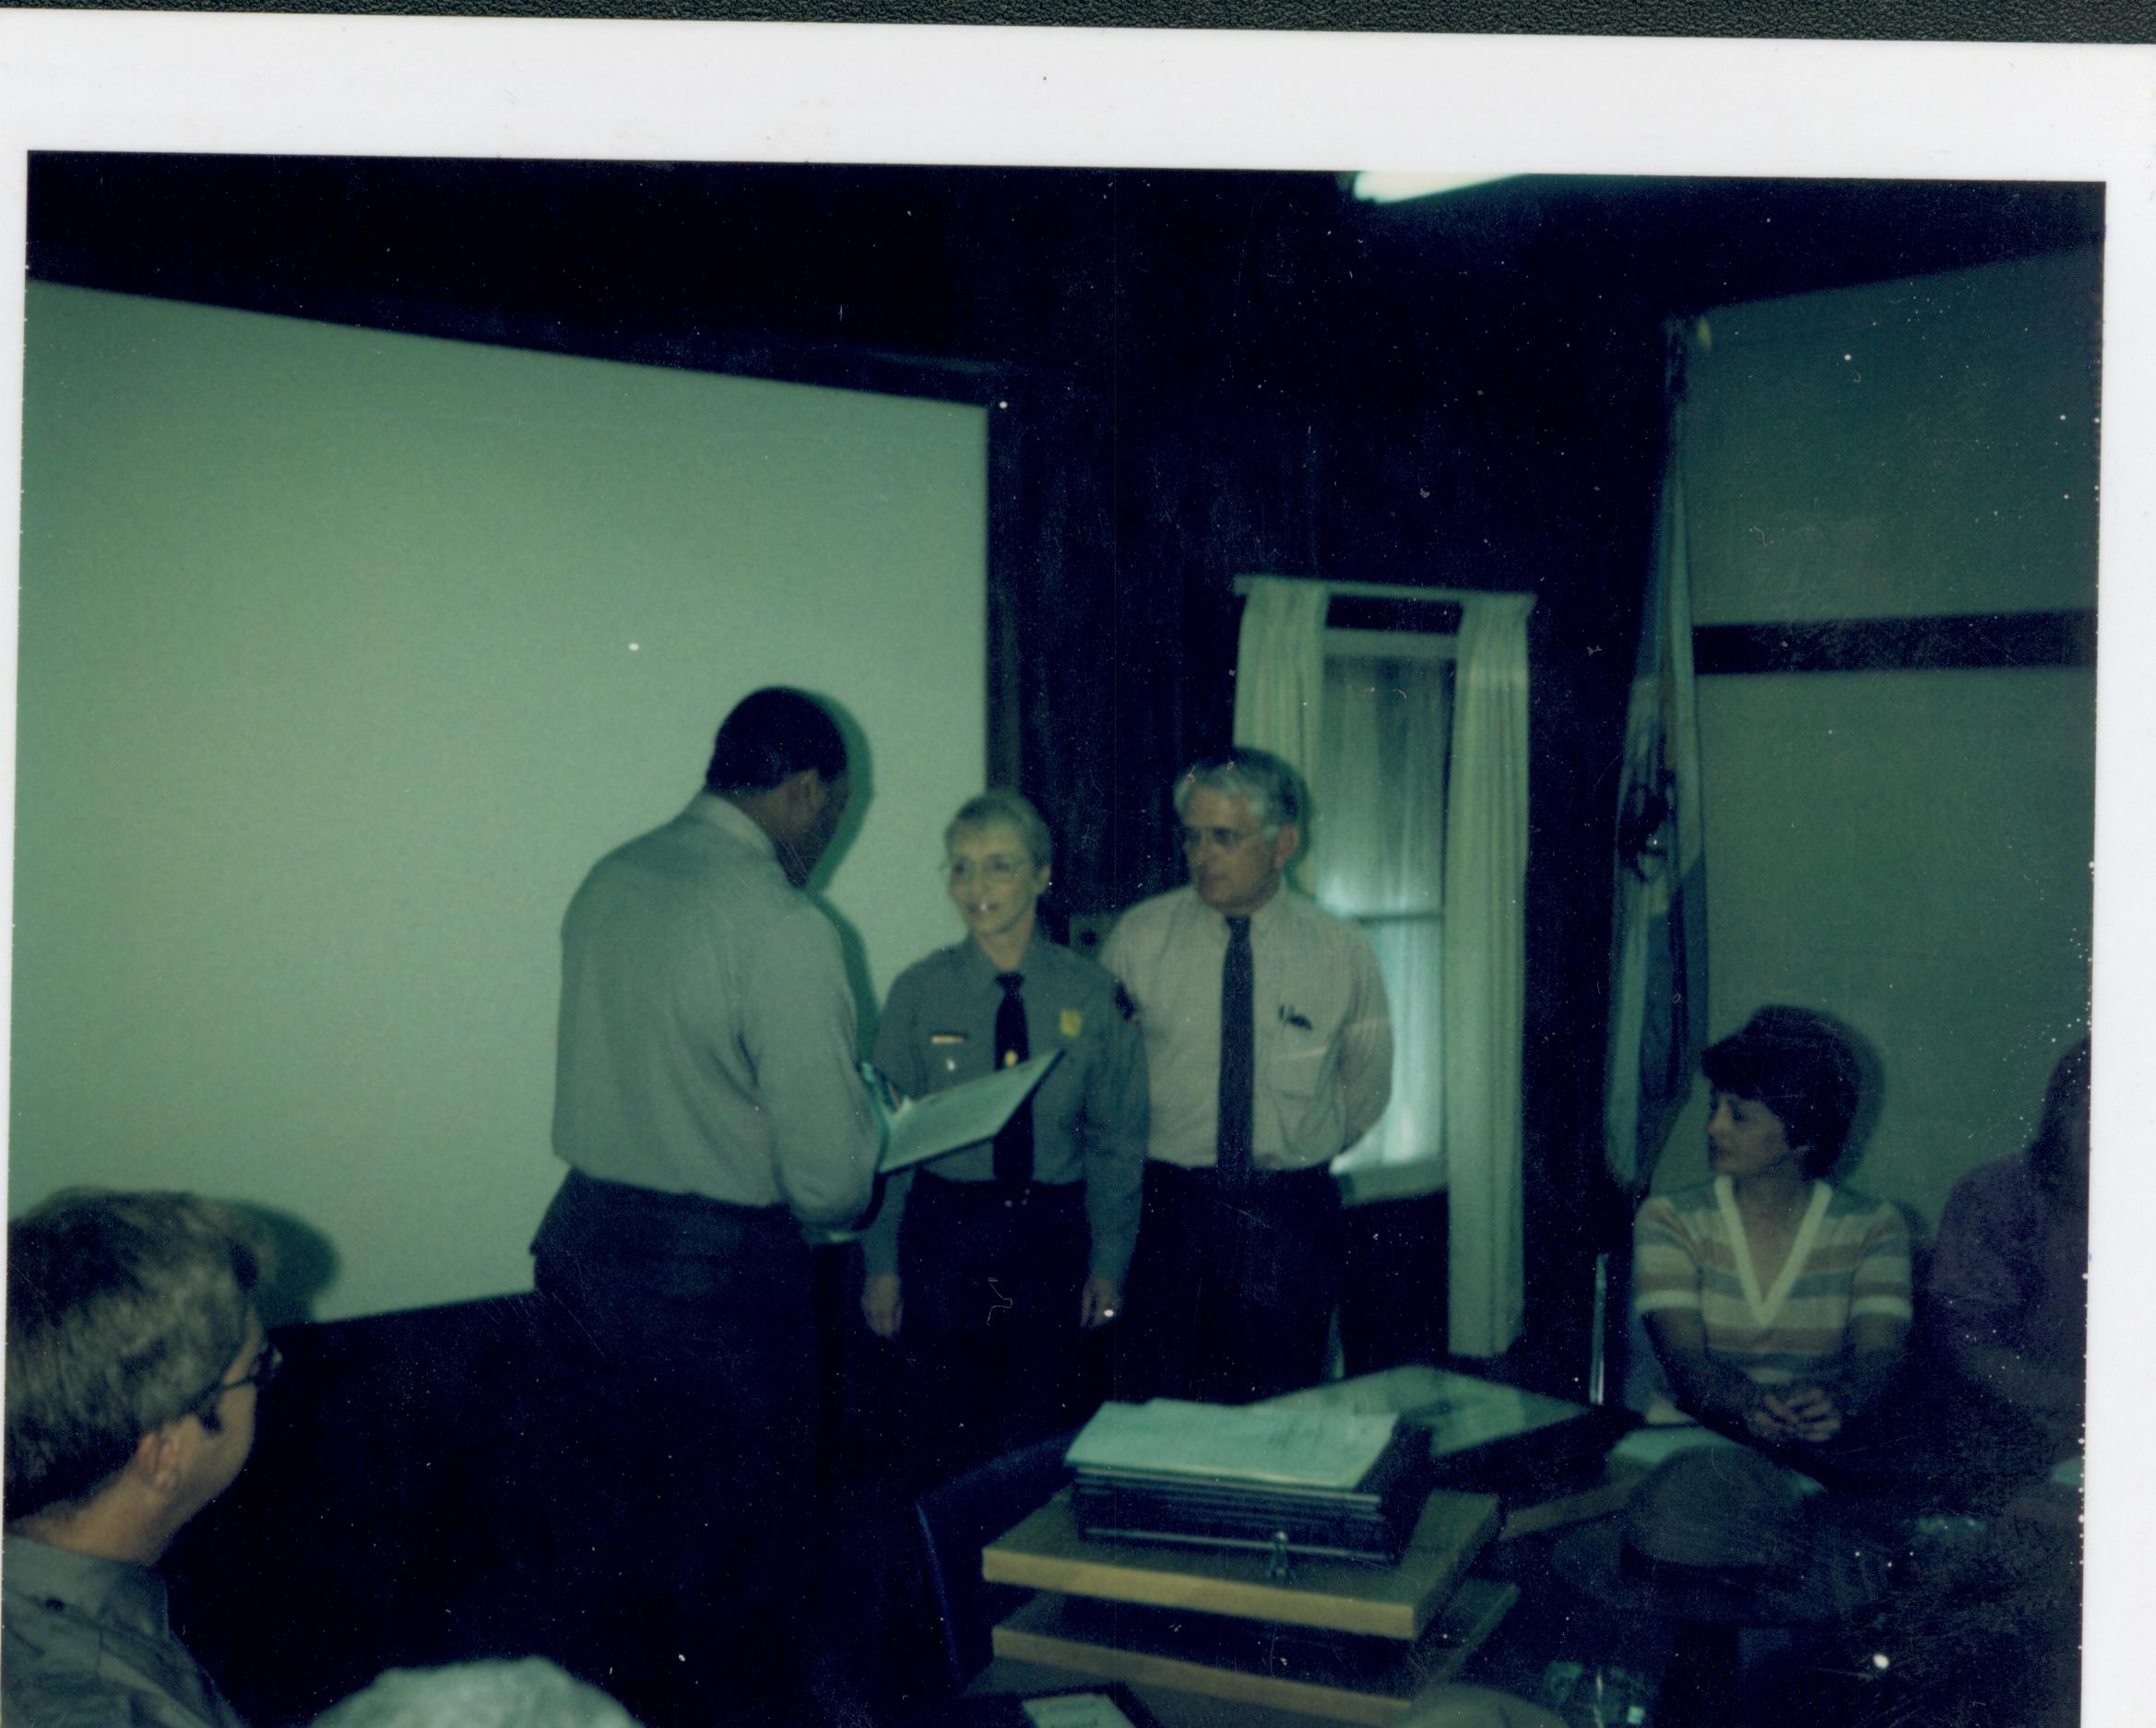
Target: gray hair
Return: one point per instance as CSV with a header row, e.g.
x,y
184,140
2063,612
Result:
x,y
999,808
122,1310
1271,787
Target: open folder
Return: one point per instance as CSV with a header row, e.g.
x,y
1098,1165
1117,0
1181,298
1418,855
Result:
x,y
927,1127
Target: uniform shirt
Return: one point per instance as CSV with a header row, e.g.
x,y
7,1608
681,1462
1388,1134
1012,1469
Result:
x,y
1322,1030
938,1029
706,1038
1850,1258
87,1643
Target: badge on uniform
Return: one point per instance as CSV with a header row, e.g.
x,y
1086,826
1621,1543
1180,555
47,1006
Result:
x,y
1073,1022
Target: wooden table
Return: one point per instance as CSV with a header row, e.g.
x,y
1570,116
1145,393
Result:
x,y
1334,1640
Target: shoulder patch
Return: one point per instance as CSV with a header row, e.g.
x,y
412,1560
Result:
x,y
1073,1022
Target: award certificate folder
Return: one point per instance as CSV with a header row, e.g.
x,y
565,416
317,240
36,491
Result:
x,y
927,1127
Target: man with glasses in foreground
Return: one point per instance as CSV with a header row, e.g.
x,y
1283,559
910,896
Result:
x,y
1268,1052
135,1359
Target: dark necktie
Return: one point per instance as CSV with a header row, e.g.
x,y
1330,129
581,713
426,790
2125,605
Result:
x,y
1237,1054
1014,1139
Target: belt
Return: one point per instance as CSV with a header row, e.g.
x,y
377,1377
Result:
x,y
590,1215
1207,1174
984,1196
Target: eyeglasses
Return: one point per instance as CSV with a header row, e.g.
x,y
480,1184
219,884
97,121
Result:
x,y
268,1360
959,871
1220,839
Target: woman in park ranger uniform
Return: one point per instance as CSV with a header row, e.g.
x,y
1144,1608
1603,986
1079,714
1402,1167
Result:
x,y
989,1262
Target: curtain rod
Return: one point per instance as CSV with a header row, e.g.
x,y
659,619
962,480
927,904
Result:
x,y
1389,591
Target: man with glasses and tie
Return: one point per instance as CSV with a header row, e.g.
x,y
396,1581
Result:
x,y
134,1358
1269,1051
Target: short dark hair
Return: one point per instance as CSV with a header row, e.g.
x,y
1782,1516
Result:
x,y
121,1309
1271,786
771,735
1800,1066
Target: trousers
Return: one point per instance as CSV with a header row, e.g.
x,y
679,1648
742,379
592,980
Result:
x,y
991,1316
692,1423
1235,1283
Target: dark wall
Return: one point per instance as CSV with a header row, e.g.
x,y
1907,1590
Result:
x,y
1371,443
1192,376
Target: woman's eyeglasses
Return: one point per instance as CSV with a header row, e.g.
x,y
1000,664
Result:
x,y
960,872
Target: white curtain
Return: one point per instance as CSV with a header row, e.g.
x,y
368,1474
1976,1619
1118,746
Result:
x,y
1387,736
1482,839
1280,681
1486,965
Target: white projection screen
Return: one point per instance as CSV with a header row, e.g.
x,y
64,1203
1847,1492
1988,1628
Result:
x,y
343,654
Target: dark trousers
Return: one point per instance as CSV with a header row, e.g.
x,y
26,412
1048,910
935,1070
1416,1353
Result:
x,y
1235,1283
692,1429
991,1296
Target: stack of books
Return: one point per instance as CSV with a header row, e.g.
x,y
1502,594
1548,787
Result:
x,y
1340,1484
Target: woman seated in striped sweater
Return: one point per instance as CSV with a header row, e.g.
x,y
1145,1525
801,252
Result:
x,y
1777,1304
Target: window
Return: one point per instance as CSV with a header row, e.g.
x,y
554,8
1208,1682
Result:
x,y
1386,741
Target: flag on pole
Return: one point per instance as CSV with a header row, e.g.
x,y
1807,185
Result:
x,y
1658,970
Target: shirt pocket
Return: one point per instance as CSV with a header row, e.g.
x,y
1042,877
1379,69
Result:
x,y
1299,1084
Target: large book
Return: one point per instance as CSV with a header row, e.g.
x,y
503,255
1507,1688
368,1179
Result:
x,y
1340,1484
1253,1443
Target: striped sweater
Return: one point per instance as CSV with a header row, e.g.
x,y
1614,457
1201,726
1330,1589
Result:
x,y
1851,1257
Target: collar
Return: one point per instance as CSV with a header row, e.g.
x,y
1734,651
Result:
x,y
730,820
1274,912
99,1589
978,969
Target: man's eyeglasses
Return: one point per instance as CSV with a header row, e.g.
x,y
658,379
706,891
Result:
x,y
1220,839
267,1361
962,871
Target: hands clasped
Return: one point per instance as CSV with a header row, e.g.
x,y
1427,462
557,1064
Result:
x,y
1795,1413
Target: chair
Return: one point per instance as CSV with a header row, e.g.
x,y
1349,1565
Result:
x,y
960,1517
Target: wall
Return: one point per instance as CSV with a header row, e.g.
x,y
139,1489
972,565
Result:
x,y
1909,850
342,655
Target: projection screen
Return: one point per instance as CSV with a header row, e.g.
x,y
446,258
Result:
x,y
343,654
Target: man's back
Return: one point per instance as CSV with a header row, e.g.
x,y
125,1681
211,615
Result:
x,y
708,1102
706,1026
